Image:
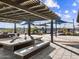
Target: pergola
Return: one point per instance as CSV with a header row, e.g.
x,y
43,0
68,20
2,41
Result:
x,y
16,11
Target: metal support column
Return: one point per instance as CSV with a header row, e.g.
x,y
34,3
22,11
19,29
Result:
x,y
56,28
24,29
45,29
15,30
73,27
29,28
51,31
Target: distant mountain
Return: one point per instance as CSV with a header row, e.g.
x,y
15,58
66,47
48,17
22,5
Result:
x,y
6,28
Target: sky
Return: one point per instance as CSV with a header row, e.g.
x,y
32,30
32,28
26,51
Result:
x,y
66,9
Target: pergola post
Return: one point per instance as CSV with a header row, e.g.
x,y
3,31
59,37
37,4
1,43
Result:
x,y
45,29
24,29
51,31
29,28
15,30
56,28
73,27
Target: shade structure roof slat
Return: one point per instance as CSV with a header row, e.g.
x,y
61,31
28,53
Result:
x,y
2,5
4,8
13,11
25,8
37,7
17,1
17,13
30,2
42,10
7,9
46,11
2,19
25,16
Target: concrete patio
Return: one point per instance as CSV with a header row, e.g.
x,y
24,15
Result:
x,y
55,51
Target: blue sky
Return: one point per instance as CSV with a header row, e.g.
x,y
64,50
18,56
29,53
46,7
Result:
x,y
66,9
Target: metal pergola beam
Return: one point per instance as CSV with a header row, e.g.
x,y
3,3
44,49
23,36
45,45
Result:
x,y
5,8
8,20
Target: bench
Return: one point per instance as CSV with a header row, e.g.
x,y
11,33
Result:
x,y
27,52
18,45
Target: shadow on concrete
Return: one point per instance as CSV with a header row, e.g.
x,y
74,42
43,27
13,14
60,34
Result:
x,y
5,54
67,49
44,54
74,46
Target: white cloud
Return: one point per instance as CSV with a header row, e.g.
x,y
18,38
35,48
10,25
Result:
x,y
51,3
77,1
66,17
66,11
59,14
74,4
74,11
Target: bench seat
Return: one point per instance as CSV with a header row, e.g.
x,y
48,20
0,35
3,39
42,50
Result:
x,y
27,52
15,46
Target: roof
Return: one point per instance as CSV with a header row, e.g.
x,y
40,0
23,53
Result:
x,y
59,21
23,10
